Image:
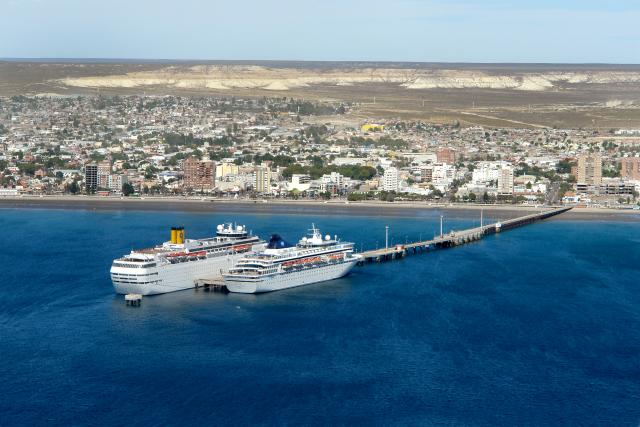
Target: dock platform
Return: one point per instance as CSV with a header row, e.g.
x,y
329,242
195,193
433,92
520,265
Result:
x,y
455,238
211,284
133,300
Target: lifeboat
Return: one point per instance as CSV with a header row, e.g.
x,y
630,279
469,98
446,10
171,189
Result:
x,y
176,254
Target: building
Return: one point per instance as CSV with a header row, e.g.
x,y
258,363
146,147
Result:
x,y
630,168
443,175
227,167
486,172
262,179
589,169
446,155
116,182
505,181
421,158
390,179
426,173
8,192
199,174
104,170
332,183
300,182
617,187
91,177
340,161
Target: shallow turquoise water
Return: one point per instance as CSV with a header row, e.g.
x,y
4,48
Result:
x,y
536,326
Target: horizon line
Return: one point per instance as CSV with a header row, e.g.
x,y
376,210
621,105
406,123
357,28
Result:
x,y
344,61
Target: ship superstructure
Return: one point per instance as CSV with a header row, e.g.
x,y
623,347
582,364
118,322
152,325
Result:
x,y
179,263
281,265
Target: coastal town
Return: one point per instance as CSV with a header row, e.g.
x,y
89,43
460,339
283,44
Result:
x,y
285,148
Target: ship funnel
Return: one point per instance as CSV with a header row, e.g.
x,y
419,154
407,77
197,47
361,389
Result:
x,y
180,235
177,235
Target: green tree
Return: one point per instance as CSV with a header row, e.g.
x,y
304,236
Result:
x,y
73,188
564,166
127,189
436,193
354,197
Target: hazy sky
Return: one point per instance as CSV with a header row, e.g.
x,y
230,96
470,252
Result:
x,y
403,30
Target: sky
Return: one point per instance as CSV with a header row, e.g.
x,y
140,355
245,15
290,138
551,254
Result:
x,y
546,31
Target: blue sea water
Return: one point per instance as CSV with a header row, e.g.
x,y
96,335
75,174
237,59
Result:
x,y
535,326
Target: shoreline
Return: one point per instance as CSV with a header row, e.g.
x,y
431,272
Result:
x,y
330,207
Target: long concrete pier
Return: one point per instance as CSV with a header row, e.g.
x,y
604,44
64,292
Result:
x,y
455,238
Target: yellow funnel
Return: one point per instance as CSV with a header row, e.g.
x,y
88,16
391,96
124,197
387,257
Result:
x,y
180,235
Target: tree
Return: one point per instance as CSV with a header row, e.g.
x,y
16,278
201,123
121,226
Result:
x,y
150,172
127,189
354,197
564,166
73,188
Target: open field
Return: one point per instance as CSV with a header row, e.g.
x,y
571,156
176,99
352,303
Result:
x,y
562,96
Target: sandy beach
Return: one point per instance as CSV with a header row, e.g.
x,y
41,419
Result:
x,y
332,207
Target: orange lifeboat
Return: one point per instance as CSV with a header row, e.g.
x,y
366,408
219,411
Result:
x,y
176,254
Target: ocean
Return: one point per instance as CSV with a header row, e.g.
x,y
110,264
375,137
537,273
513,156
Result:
x,y
535,326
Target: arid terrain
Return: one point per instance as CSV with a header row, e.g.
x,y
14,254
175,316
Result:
x,y
562,96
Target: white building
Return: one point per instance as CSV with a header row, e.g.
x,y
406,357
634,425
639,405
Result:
x,y
477,189
8,191
421,158
116,182
530,188
390,179
486,172
340,161
299,182
385,163
333,183
443,174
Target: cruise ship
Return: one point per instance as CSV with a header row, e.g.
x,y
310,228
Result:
x,y
179,263
283,266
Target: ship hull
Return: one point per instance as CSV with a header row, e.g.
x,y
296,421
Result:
x,y
290,279
171,277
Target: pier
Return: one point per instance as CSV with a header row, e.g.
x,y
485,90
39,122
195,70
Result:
x,y
133,300
215,284
454,238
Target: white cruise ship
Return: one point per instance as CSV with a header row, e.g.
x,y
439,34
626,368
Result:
x,y
283,266
179,263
